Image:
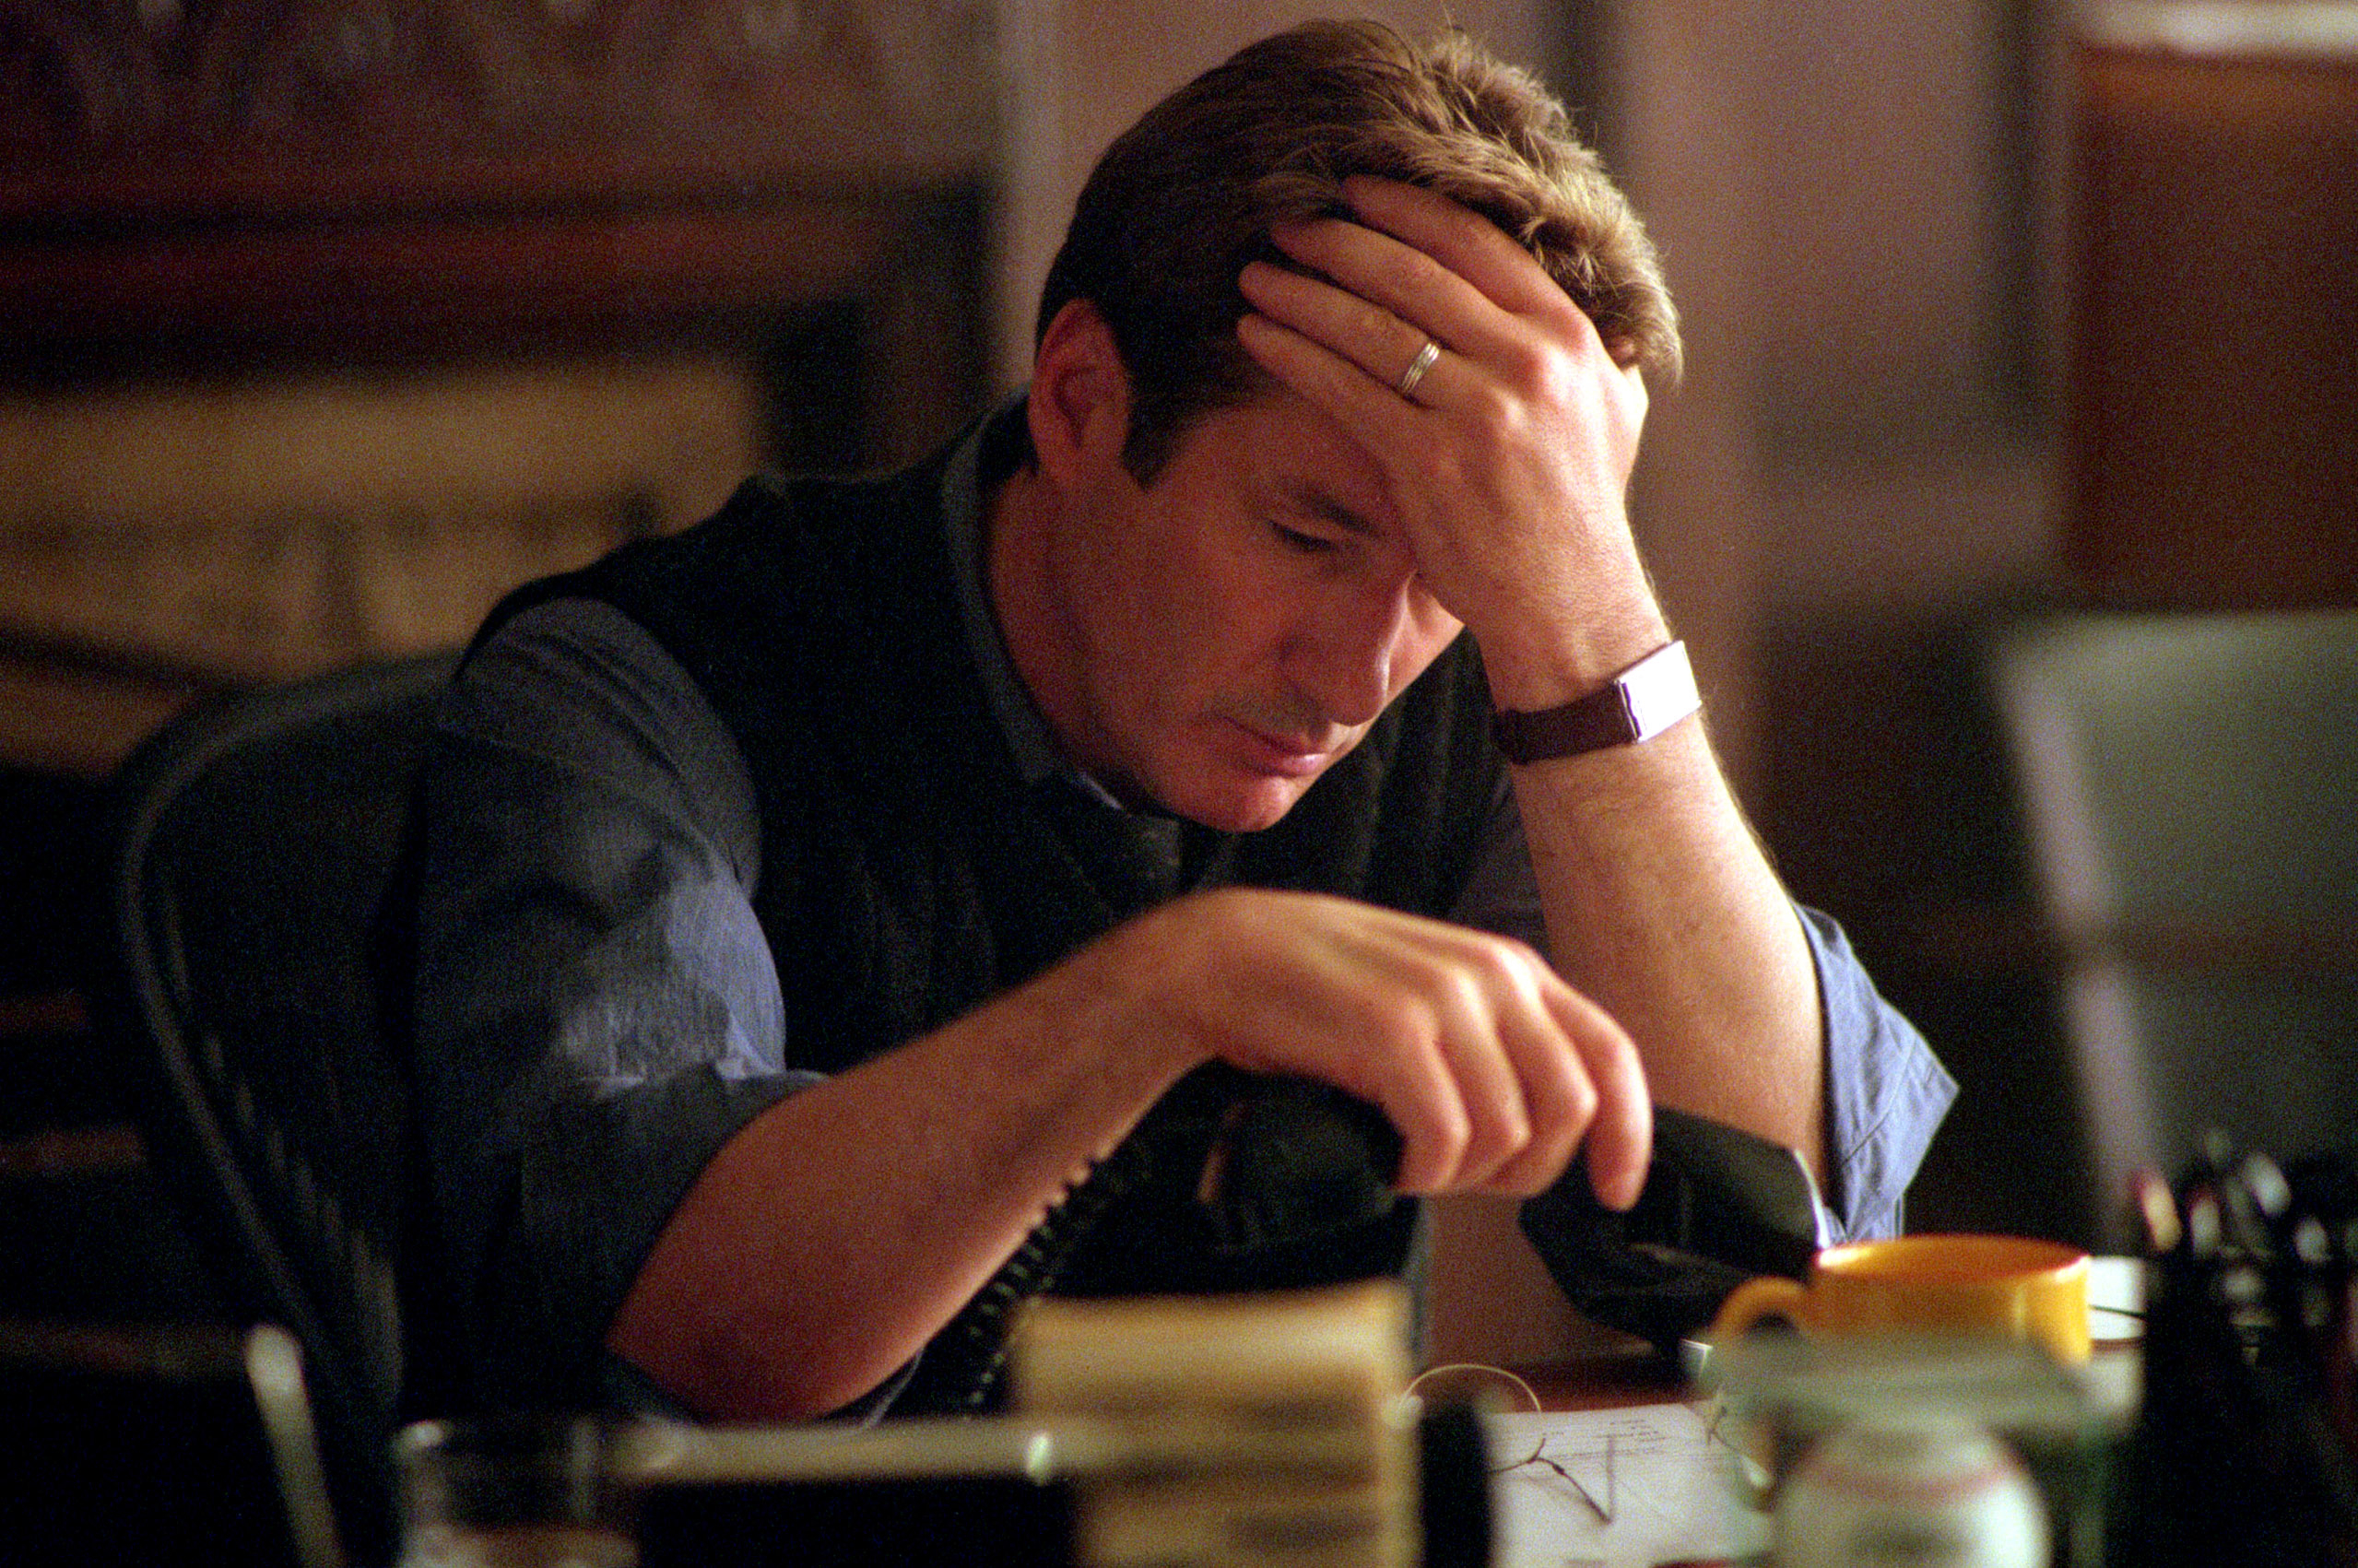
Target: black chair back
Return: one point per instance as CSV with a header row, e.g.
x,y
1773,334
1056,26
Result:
x,y
253,843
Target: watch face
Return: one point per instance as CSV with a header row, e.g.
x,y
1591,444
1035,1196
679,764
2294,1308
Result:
x,y
1660,690
1642,701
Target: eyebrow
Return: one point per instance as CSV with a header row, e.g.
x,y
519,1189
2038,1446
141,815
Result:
x,y
1315,500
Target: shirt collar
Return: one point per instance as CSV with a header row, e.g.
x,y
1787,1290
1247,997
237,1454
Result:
x,y
982,459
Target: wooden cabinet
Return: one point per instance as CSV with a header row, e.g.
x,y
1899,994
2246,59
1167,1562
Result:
x,y
323,321
480,228
2213,428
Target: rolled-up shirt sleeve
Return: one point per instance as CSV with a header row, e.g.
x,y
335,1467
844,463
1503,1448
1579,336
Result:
x,y
596,1010
1885,1093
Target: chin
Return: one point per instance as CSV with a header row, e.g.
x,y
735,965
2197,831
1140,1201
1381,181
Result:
x,y
1241,808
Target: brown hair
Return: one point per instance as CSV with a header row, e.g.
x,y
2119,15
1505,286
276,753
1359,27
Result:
x,y
1187,196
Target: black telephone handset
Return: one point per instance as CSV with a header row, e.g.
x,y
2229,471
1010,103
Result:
x,y
1719,1204
1293,1158
1283,1161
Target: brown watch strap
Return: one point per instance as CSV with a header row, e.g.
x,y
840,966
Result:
x,y
1637,704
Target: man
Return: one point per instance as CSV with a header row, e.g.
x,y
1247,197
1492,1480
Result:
x,y
891,898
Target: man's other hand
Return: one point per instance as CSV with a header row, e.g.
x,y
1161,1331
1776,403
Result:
x,y
1492,1070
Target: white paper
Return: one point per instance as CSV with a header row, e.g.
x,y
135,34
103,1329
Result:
x,y
1638,1486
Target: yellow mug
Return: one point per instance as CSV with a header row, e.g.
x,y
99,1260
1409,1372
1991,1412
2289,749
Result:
x,y
2010,1285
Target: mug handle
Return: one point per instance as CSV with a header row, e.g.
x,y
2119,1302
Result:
x,y
1762,1296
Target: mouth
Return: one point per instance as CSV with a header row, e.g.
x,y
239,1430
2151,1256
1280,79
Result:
x,y
1281,755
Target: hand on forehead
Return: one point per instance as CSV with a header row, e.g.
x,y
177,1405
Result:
x,y
1414,276
1505,429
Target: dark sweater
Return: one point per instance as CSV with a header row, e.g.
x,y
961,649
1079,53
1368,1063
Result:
x,y
909,874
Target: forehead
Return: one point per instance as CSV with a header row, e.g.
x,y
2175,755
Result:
x,y
1280,453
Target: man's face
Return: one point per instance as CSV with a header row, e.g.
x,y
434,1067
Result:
x,y
1226,633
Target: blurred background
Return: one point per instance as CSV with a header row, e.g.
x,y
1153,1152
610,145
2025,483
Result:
x,y
322,321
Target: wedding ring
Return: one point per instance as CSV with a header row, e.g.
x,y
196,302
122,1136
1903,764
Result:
x,y
1417,368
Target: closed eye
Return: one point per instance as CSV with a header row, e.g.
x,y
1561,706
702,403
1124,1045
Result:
x,y
1306,544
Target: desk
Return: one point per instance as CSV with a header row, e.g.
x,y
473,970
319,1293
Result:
x,y
1608,1379
1630,1373
1672,1490
1637,1473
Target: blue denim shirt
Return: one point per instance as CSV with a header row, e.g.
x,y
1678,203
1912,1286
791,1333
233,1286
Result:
x,y
587,944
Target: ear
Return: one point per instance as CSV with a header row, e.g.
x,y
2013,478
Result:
x,y
1080,406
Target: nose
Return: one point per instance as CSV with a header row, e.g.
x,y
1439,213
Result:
x,y
1351,656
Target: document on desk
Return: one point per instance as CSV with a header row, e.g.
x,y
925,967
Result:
x,y
1618,1489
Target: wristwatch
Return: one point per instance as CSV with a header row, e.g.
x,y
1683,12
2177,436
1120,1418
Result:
x,y
1637,704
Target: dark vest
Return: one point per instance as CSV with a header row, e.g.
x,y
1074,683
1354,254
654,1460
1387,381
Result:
x,y
908,874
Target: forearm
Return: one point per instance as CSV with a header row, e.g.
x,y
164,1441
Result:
x,y
838,1233
1508,468
1661,907
1659,901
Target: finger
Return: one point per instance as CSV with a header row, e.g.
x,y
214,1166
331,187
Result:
x,y
1334,1008
1528,1093
1469,246
1423,1100
1473,1021
1560,1100
1374,416
1431,1008
1382,345
1471,1005
1620,1131
1393,275
1548,346
1445,1030
1459,239
1423,1107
